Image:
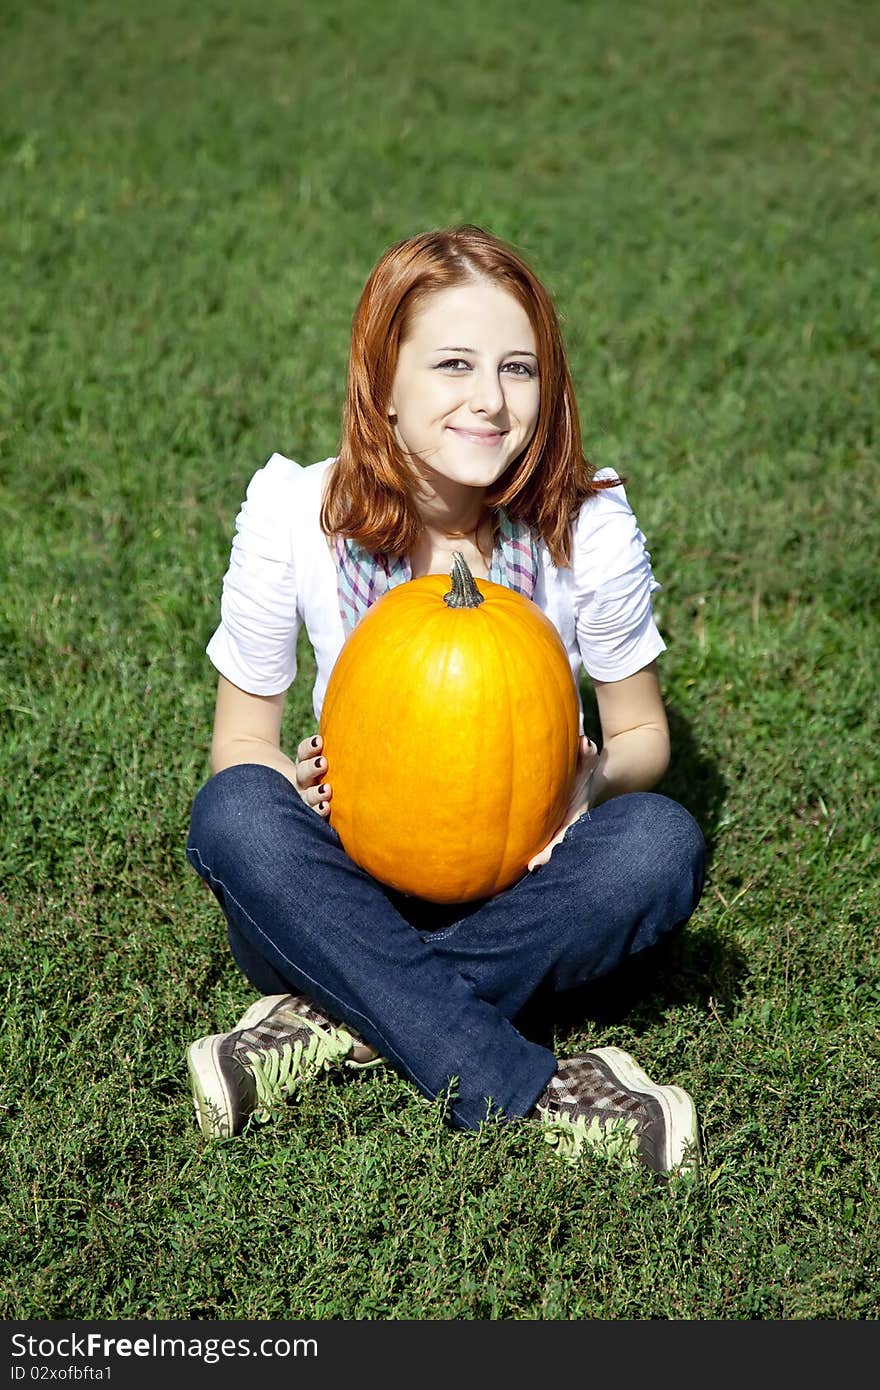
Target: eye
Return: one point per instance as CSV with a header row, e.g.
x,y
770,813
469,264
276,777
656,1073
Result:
x,y
522,369
453,364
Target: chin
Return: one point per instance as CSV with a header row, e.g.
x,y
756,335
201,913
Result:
x,y
474,472
475,477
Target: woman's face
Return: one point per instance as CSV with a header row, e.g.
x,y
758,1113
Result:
x,y
466,392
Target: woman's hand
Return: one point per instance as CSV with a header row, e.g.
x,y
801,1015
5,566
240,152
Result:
x,y
579,804
311,775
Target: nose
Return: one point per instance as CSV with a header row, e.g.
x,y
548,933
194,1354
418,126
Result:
x,y
487,394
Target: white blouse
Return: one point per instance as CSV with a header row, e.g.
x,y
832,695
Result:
x,y
282,573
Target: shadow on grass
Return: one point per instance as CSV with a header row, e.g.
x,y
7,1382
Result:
x,y
694,779
699,964
695,967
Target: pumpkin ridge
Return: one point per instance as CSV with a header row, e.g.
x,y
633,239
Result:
x,y
503,790
545,681
453,670
531,692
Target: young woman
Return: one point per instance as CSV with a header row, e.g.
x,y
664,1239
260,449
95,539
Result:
x,y
460,433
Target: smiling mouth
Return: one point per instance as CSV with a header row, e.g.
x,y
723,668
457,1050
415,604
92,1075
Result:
x,y
483,437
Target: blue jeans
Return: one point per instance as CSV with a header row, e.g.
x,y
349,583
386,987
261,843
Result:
x,y
435,989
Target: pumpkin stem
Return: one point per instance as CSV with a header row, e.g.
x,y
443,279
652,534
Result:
x,y
464,592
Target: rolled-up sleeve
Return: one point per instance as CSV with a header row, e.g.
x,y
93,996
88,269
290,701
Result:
x,y
254,646
613,585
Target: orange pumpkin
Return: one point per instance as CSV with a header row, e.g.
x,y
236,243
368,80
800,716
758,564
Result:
x,y
450,725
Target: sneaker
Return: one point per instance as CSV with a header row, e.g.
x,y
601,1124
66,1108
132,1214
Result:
x,y
282,1041
605,1102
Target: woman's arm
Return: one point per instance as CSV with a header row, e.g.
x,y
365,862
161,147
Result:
x,y
247,729
635,736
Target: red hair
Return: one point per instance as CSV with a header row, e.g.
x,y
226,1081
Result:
x,y
369,493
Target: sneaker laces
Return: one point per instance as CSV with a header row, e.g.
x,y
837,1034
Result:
x,y
569,1136
279,1072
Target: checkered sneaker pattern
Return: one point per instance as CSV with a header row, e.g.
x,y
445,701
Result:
x,y
279,1044
604,1102
362,578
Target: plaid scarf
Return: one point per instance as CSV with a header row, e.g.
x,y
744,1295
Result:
x,y
362,578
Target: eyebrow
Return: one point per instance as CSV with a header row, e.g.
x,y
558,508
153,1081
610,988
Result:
x,y
514,352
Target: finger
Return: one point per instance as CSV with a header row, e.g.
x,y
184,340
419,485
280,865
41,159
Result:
x,y
543,855
309,748
310,772
318,795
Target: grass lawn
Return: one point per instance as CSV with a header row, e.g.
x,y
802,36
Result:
x,y
193,197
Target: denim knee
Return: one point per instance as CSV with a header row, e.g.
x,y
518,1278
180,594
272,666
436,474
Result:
x,y
233,814
665,849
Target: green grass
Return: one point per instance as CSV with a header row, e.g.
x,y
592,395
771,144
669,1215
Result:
x,y
193,199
